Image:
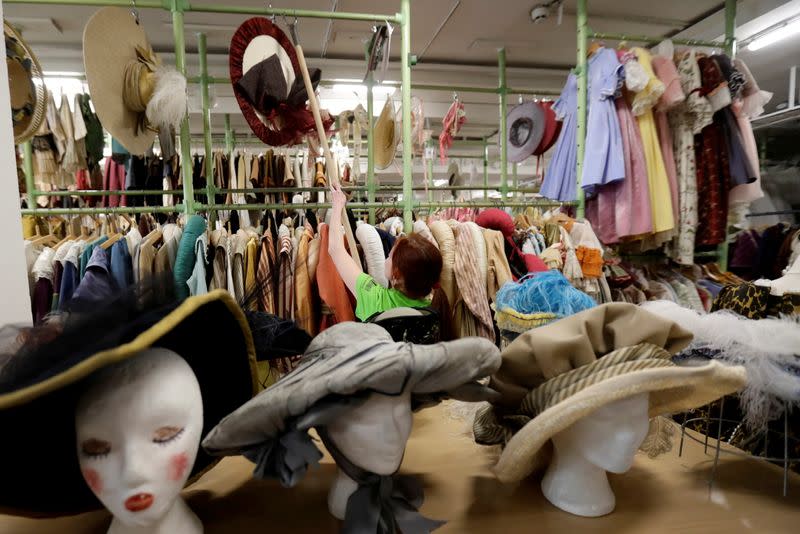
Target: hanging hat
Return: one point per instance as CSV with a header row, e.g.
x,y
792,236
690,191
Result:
x,y
268,83
342,367
133,94
525,129
26,86
385,136
454,176
552,127
556,375
43,382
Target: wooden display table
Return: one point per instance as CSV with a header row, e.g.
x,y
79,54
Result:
x,y
669,494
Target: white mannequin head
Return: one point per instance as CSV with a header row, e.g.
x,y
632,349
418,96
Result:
x,y
138,429
373,436
607,440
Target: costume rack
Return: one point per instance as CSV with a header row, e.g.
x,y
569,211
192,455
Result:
x,y
177,8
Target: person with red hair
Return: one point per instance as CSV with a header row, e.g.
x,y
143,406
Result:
x,y
412,268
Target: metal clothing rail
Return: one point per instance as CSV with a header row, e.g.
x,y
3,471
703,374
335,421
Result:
x,y
582,72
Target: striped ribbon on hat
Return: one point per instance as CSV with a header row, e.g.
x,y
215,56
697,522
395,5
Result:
x,y
492,428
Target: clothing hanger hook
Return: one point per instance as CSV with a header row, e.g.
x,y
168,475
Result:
x,y
272,17
134,11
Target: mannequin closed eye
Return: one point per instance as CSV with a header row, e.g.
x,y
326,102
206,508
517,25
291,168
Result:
x,y
97,447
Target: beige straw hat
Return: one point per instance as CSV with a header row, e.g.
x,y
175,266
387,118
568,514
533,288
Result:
x,y
556,375
133,93
385,136
26,86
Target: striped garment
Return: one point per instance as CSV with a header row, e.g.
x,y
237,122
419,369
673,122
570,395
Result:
x,y
471,284
266,274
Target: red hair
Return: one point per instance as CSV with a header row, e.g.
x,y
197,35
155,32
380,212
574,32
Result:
x,y
418,263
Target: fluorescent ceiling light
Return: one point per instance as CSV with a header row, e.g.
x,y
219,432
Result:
x,y
360,89
778,34
440,183
62,74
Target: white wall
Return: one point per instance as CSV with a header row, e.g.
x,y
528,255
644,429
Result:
x,y
15,304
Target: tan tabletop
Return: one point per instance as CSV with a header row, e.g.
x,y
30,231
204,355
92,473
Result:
x,y
668,494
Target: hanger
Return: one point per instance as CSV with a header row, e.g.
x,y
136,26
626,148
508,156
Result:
x,y
594,47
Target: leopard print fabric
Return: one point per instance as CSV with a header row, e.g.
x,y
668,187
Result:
x,y
748,300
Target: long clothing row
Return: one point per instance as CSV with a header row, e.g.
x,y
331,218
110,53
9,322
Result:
x,y
669,145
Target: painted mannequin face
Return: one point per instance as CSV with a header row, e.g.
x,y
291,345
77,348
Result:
x,y
138,429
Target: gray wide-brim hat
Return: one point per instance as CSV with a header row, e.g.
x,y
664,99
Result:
x,y
353,360
524,130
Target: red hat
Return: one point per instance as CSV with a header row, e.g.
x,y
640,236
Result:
x,y
552,127
268,83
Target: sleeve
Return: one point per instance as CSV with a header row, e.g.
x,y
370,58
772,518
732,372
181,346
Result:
x,y
371,297
613,74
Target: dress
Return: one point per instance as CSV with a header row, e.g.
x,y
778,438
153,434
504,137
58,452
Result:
x,y
687,120
561,176
603,160
660,195
673,95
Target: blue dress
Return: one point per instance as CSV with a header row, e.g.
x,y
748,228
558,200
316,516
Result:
x,y
604,161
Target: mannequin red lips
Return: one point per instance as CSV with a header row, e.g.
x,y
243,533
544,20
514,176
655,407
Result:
x,y
139,502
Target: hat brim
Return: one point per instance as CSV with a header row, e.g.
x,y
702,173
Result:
x,y
528,112
44,478
110,39
26,85
552,127
671,389
385,137
250,30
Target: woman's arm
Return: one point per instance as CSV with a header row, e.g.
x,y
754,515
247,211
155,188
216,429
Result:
x,y
345,264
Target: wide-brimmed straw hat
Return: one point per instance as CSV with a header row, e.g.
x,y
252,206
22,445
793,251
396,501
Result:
x,y
556,375
41,383
268,83
26,86
133,93
524,130
385,136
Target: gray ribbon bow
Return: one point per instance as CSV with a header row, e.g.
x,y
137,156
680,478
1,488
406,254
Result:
x,y
286,458
381,504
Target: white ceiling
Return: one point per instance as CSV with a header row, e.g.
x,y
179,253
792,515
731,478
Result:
x,y
456,42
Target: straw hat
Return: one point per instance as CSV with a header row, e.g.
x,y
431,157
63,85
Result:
x,y
269,85
524,131
555,375
44,379
26,86
133,94
385,136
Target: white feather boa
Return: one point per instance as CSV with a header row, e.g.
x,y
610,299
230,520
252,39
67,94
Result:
x,y
767,348
169,103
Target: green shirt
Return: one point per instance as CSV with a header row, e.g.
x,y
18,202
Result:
x,y
372,298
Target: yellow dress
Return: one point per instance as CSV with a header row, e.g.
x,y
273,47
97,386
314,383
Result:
x,y
642,104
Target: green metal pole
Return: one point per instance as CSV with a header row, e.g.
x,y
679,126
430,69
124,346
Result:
x,y
501,90
177,8
27,166
582,69
205,102
430,180
370,149
228,136
405,53
516,180
730,49
485,169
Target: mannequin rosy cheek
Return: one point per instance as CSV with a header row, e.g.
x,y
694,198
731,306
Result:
x,y
93,479
178,465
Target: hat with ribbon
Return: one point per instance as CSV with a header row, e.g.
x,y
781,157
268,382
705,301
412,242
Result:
x,y
26,86
268,83
133,93
341,369
526,124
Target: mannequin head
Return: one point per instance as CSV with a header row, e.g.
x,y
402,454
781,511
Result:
x,y
373,436
607,440
138,428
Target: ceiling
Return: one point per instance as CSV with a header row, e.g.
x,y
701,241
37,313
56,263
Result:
x,y
456,42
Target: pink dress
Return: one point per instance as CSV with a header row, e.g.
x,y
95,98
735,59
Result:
x,y
622,209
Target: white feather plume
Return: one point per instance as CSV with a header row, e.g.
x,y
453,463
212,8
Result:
x,y
169,103
767,348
